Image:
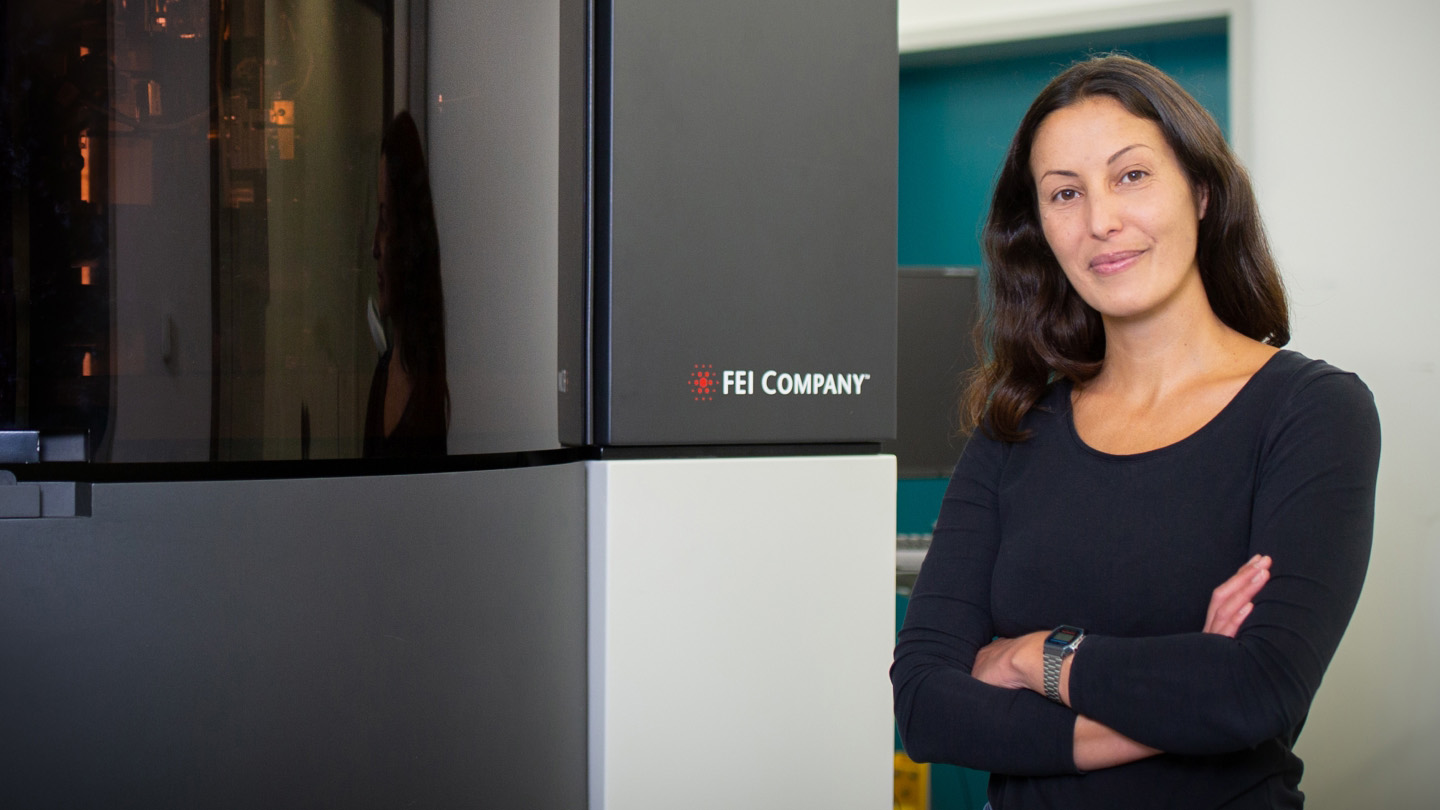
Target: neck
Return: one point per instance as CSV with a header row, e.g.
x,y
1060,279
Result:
x,y
1167,350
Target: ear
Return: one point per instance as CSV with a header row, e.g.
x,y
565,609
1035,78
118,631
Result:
x,y
1203,200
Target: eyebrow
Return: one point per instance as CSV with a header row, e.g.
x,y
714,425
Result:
x,y
1117,155
1113,158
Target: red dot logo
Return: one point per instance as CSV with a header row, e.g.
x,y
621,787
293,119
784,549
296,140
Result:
x,y
703,382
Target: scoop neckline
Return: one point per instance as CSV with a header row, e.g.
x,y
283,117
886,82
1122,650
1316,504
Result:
x,y
1220,416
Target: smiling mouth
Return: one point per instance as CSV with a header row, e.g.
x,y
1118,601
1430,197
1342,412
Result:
x,y
1107,264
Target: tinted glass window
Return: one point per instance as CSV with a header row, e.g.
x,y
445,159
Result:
x,y
197,262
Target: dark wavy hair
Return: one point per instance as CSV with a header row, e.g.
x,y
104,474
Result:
x,y
1036,328
417,304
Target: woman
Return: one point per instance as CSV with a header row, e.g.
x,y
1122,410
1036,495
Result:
x,y
1159,529
408,412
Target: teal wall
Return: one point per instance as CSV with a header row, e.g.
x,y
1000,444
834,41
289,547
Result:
x,y
956,122
917,504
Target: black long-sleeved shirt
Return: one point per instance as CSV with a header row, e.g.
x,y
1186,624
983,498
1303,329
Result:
x,y
1050,531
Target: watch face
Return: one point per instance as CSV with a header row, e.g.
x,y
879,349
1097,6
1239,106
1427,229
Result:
x,y
1063,635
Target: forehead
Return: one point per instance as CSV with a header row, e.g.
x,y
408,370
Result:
x,y
1089,131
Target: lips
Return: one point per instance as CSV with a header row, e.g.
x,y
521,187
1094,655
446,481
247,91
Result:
x,y
1108,264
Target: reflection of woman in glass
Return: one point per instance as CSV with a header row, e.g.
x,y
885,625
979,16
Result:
x,y
408,413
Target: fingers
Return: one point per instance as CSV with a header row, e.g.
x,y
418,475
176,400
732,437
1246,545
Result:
x,y
998,663
991,662
1248,581
1230,602
1234,595
1228,624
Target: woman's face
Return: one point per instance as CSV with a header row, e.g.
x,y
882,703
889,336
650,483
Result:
x,y
381,247
1117,209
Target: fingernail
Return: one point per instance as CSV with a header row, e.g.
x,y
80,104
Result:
x,y
1246,608
1254,559
1259,575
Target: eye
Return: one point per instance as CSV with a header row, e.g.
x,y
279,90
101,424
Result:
x,y
1134,176
1064,195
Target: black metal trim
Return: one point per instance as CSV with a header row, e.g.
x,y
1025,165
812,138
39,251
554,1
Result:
x,y
151,472
602,76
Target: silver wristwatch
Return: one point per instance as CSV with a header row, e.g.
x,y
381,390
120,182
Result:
x,y
1061,642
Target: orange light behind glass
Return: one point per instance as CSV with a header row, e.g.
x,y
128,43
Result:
x,y
85,168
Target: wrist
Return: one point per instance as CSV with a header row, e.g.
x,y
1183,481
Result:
x,y
1033,665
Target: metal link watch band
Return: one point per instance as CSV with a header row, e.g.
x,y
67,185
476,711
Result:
x,y
1053,661
1061,642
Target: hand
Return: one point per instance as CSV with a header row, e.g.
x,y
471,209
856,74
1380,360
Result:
x,y
1230,601
1010,663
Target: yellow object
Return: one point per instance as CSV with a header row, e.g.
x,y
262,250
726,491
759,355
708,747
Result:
x,y
912,783
282,119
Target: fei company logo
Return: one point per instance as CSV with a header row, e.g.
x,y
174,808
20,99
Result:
x,y
703,382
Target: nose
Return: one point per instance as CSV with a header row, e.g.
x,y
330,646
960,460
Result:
x,y
1105,215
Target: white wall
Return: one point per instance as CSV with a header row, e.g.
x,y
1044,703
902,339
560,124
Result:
x,y
1344,135
947,23
1342,121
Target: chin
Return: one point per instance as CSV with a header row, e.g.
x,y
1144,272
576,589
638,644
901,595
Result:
x,y
1120,309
